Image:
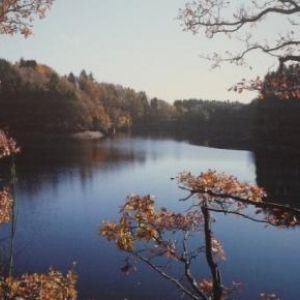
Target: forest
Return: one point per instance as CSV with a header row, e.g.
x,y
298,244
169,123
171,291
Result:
x,y
34,98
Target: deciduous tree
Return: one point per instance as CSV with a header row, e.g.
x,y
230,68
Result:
x,y
16,16
242,21
150,234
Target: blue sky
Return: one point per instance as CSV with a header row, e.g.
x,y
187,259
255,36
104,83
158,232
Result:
x,y
135,43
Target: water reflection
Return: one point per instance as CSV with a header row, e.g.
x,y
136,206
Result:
x,y
279,173
66,189
53,161
277,169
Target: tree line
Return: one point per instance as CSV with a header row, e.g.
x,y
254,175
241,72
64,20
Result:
x,y
35,98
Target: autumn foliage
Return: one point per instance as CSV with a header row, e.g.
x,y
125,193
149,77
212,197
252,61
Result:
x,y
8,145
284,84
49,286
140,220
211,186
146,233
6,203
16,16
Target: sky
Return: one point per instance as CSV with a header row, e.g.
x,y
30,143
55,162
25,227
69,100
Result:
x,y
135,43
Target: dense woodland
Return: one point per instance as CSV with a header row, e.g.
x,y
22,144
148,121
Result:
x,y
34,98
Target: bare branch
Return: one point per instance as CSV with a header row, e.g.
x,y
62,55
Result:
x,y
240,214
214,17
168,277
269,205
188,272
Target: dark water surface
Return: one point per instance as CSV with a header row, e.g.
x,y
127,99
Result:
x,y
64,191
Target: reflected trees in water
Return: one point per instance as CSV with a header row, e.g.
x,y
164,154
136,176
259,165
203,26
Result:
x,y
175,244
51,285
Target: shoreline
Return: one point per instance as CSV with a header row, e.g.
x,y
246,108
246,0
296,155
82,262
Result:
x,y
87,135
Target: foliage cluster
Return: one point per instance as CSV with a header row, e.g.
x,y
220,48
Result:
x,y
16,16
45,286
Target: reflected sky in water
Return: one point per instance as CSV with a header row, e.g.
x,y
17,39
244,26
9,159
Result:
x,y
66,189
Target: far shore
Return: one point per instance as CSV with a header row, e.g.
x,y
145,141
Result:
x,y
37,136
87,135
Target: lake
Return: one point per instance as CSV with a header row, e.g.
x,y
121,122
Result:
x,y
65,190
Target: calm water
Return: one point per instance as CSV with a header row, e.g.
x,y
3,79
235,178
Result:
x,y
65,191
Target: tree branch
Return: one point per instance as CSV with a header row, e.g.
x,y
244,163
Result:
x,y
168,277
212,17
216,276
194,15
243,200
239,214
188,272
